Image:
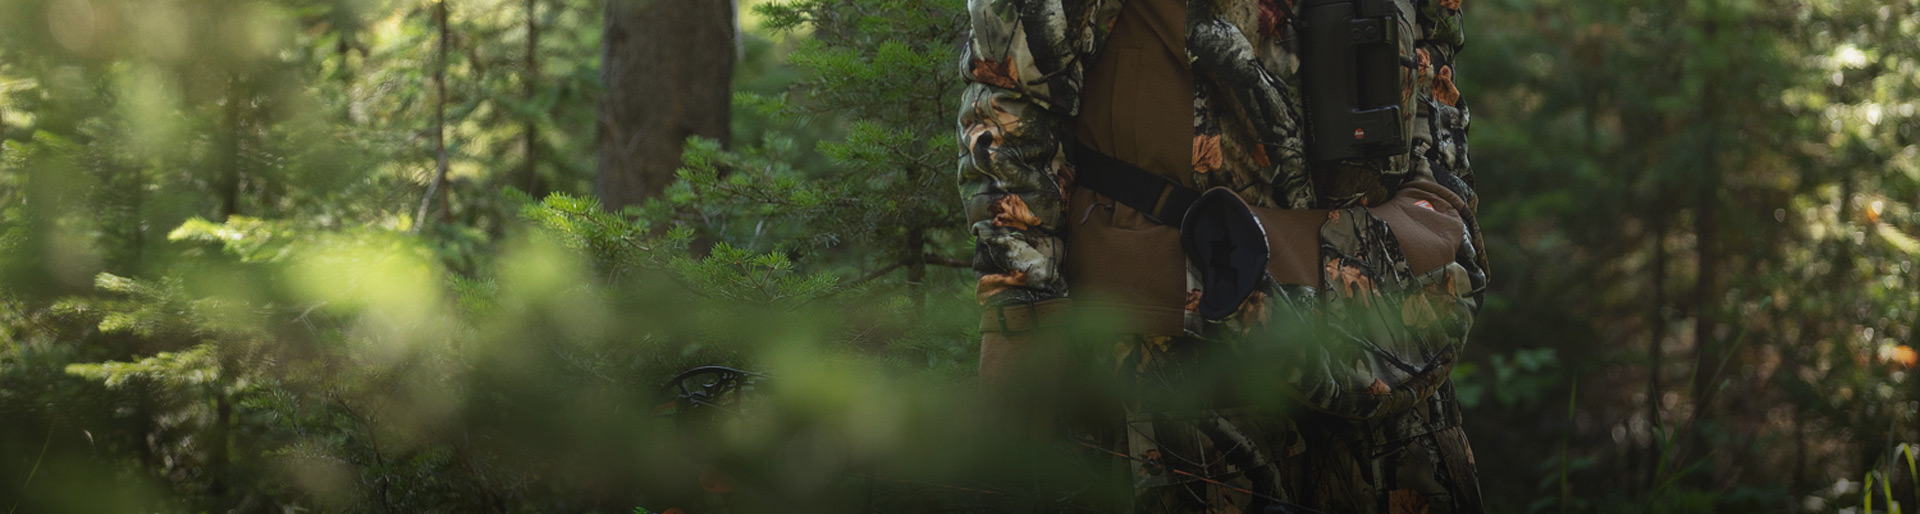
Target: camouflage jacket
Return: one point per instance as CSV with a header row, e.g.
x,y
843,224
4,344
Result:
x,y
1023,65
1388,333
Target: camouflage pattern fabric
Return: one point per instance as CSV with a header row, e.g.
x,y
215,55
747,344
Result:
x,y
1369,422
1023,67
1372,424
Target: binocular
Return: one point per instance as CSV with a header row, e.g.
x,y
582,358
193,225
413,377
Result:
x,y
1350,60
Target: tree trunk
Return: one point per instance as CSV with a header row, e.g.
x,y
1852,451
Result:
x,y
667,68
139,221
529,90
917,270
1657,321
1706,289
219,462
437,187
229,182
1707,346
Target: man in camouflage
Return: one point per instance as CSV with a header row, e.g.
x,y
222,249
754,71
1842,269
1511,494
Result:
x,y
1376,272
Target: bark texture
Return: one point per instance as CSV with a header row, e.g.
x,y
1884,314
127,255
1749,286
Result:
x,y
667,68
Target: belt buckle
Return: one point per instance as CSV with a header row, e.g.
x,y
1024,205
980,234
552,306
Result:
x,y
1161,201
1033,316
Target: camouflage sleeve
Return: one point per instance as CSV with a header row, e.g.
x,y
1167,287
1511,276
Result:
x,y
1440,125
1022,68
1393,333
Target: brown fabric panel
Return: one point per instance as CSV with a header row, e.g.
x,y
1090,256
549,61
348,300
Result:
x,y
1428,238
1138,274
1137,101
1293,237
1137,106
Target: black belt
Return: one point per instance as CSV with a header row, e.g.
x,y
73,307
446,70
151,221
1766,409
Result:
x,y
1131,186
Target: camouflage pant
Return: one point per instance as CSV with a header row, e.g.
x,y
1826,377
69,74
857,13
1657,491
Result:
x,y
1277,455
1332,396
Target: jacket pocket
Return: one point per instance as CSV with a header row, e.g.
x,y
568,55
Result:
x,y
1121,262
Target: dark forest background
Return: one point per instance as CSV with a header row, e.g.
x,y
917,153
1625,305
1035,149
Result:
x,y
440,255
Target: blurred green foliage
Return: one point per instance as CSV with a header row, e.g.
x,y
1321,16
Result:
x,y
211,299
1706,208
